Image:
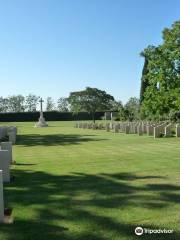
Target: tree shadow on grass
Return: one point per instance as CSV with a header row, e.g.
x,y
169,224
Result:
x,y
54,139
130,176
26,164
73,207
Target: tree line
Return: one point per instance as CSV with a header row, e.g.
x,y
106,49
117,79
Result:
x,y
30,103
89,100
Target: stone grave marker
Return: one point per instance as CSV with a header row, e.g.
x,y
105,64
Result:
x,y
5,161
1,198
127,128
177,130
168,130
7,146
159,130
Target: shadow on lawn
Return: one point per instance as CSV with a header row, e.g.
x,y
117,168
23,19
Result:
x,y
54,139
26,164
73,207
125,176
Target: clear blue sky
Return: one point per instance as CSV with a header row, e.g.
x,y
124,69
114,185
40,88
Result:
x,y
53,47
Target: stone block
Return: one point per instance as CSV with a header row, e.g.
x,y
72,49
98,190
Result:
x,y
116,128
127,128
7,146
168,130
1,198
177,130
5,161
159,131
150,130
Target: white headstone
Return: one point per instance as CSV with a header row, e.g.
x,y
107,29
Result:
x,y
5,158
127,128
159,130
168,130
1,133
1,198
7,146
116,128
139,130
177,130
107,127
150,130
11,133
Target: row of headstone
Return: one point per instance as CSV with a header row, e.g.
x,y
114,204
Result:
x,y
94,126
151,129
123,127
157,130
9,132
166,130
116,127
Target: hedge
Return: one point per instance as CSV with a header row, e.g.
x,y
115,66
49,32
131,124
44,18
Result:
x,y
49,116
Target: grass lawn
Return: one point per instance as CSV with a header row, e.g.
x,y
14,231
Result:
x,y
75,184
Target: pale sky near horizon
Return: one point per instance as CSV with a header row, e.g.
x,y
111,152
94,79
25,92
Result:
x,y
51,47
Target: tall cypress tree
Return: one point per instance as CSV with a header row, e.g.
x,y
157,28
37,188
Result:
x,y
144,79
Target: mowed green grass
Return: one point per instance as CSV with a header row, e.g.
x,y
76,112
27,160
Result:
x,y
75,184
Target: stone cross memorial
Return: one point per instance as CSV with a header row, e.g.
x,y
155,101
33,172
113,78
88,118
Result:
x,y
41,122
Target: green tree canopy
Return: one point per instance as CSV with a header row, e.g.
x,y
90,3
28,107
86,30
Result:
x,y
90,100
16,103
63,105
50,104
31,102
162,95
131,109
144,79
4,104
